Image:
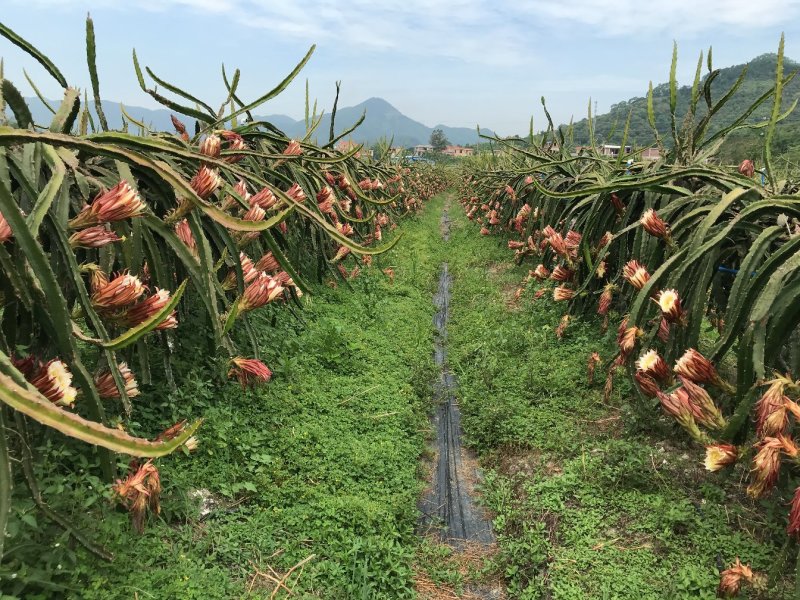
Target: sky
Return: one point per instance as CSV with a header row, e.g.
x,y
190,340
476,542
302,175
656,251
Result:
x,y
458,63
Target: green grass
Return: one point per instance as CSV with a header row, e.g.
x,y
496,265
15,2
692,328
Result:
x,y
323,460
592,500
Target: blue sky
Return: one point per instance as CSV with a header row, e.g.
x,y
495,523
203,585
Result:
x,y
460,63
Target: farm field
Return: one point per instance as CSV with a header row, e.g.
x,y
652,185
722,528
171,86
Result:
x,y
236,363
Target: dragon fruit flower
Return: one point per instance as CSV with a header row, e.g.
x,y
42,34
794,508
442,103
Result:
x,y
249,272
541,272
562,292
268,263
647,384
249,371
719,456
96,236
106,388
655,225
766,466
54,382
261,291
561,273
293,148
696,367
296,193
118,293
205,182
670,304
5,230
652,364
712,416
606,297
747,168
140,491
146,309
235,143
119,203
772,409
264,199
184,233
731,579
635,274
211,146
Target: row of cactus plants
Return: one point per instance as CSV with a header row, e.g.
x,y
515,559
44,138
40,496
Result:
x,y
105,236
691,255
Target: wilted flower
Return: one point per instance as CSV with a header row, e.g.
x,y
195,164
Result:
x,y
663,330
118,203
619,207
766,466
249,371
179,127
268,263
730,580
711,415
149,307
655,225
121,291
249,272
719,456
262,290
605,299
794,515
605,240
54,382
515,245
91,237
747,168
184,233
771,409
211,146
699,369
205,182
670,304
626,338
5,230
653,365
485,231
562,273
558,245
107,388
562,292
389,272
600,271
326,201
140,490
647,384
635,274
296,193
541,272
562,326
293,148
594,360
684,411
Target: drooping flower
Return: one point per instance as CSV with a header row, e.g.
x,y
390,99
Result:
x,y
594,361
118,293
635,274
771,409
562,292
140,490
747,168
293,148
647,384
5,230
211,146
179,127
712,416
389,272
562,273
699,369
670,304
119,203
731,579
107,388
268,263
766,466
96,236
719,456
205,182
541,272
262,290
249,371
147,308
626,337
54,381
678,405
184,233
485,231
653,365
655,225
562,326
606,297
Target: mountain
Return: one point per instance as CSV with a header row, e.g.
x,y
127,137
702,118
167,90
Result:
x,y
382,121
759,78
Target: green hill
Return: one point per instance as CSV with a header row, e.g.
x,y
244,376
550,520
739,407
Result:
x,y
759,78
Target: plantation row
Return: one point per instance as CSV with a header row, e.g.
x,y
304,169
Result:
x,y
113,244
696,265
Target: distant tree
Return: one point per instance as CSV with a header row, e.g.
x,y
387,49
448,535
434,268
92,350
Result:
x,y
439,140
